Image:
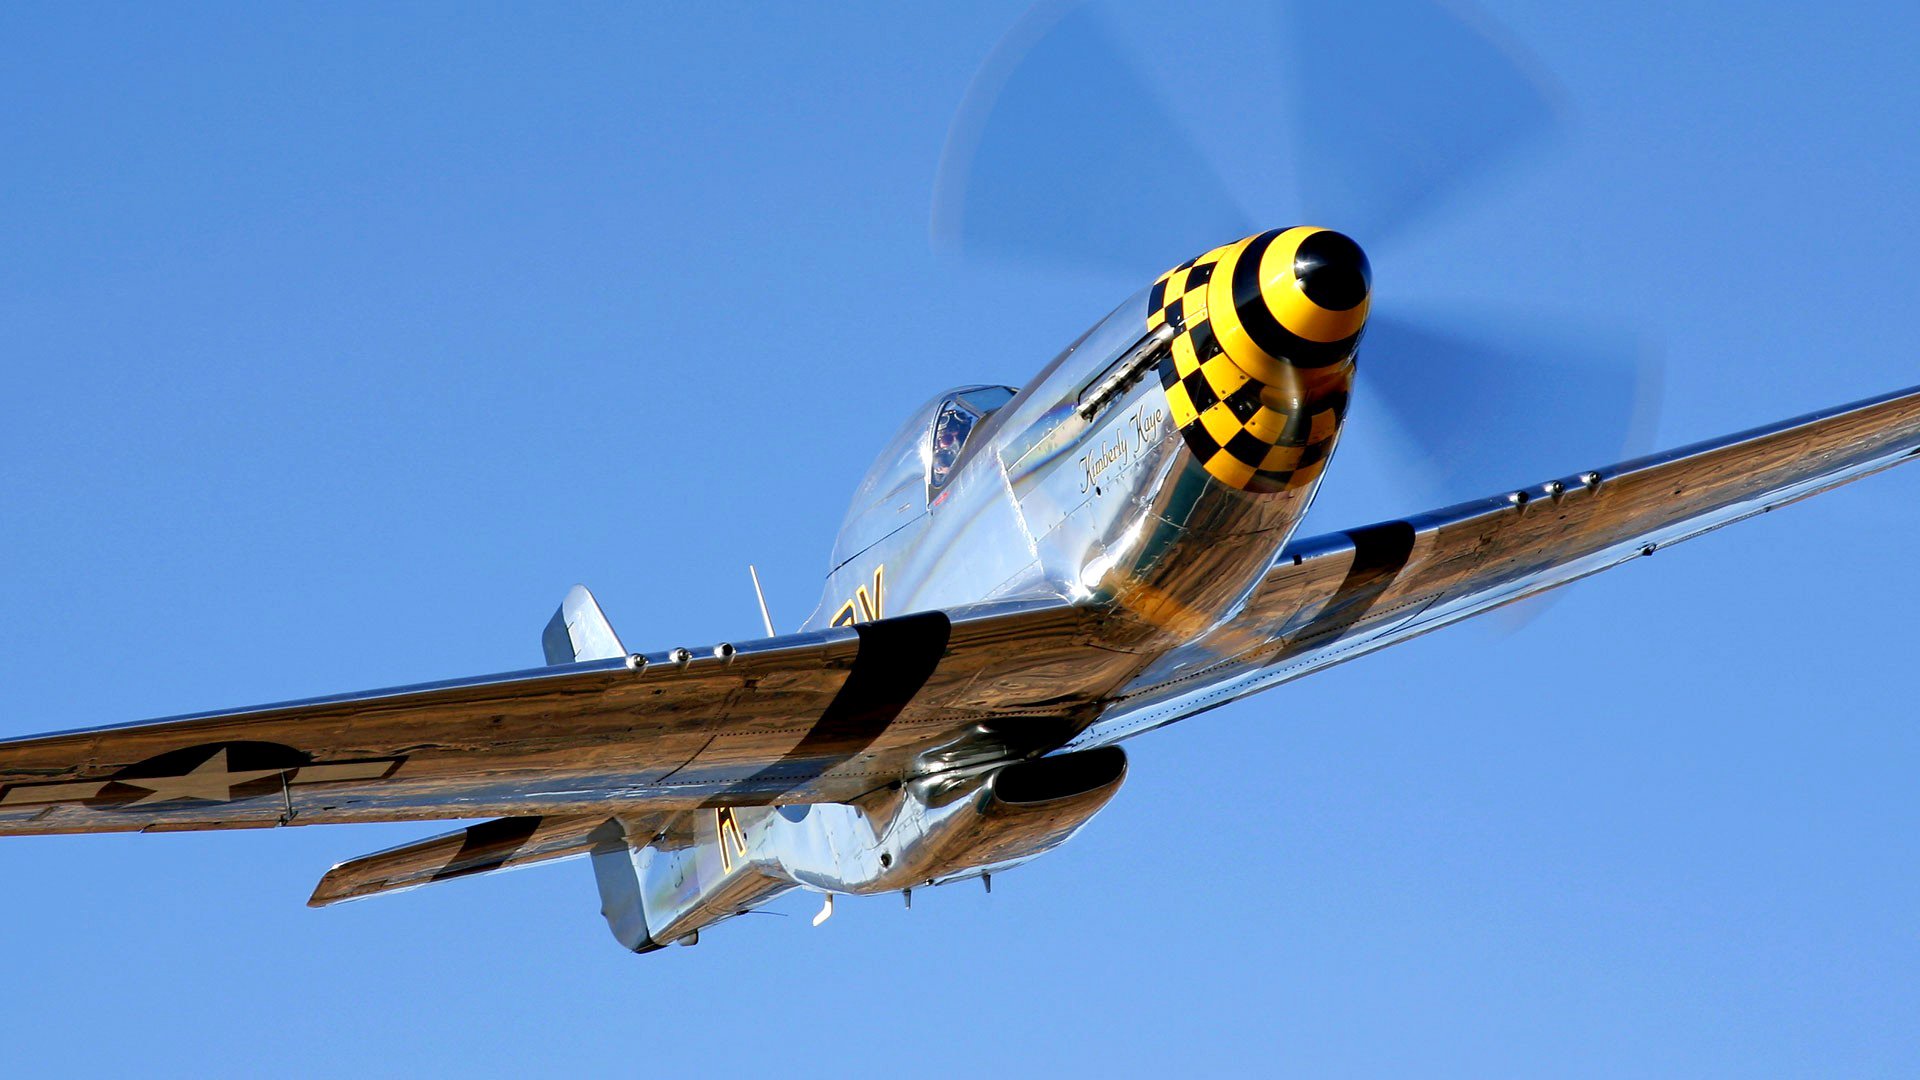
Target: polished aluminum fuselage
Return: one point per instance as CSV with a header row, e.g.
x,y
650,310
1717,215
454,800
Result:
x,y
1079,488
1109,509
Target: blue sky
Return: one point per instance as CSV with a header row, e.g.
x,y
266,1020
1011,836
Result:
x,y
340,341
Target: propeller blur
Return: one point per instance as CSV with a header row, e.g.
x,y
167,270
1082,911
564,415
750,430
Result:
x,y
1027,577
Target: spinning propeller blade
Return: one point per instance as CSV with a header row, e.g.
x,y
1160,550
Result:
x,y
1062,151
1579,400
1129,139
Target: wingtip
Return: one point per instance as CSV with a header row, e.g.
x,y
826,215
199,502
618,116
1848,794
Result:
x,y
329,890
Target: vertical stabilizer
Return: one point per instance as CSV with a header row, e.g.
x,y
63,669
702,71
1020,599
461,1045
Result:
x,y
580,631
617,869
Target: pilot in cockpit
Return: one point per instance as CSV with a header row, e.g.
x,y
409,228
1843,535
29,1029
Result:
x,y
949,434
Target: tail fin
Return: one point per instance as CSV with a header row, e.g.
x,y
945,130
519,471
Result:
x,y
684,871
580,631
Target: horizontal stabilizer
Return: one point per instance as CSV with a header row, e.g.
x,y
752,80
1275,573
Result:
x,y
501,844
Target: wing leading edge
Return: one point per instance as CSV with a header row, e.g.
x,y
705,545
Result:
x,y
1335,597
817,717
832,715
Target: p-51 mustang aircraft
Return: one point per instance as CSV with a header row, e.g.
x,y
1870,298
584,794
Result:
x,y
1025,579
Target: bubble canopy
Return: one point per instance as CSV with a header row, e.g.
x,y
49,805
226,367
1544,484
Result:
x,y
913,466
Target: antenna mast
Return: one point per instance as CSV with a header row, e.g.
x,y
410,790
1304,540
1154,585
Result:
x,y
762,597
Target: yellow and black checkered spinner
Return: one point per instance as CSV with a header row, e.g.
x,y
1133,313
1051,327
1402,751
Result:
x,y
1258,374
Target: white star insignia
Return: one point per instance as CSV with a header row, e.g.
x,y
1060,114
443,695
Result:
x,y
214,780
210,781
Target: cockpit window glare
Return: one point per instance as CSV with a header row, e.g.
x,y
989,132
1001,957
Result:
x,y
984,400
900,483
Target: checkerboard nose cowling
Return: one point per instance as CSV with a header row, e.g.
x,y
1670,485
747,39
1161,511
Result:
x,y
1292,298
1258,375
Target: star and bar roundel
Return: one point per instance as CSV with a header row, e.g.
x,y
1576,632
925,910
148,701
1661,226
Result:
x,y
210,773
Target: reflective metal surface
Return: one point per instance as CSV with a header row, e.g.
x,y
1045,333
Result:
x,y
709,865
1334,598
1091,487
500,844
1022,580
826,715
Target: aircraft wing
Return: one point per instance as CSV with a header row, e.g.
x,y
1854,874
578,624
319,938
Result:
x,y
831,715
814,717
1332,598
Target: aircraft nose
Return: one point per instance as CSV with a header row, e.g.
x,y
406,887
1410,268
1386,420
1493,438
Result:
x,y
1300,297
1258,373
1332,271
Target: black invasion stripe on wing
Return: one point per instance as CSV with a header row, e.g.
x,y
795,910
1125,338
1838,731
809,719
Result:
x,y
488,846
897,656
1380,552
